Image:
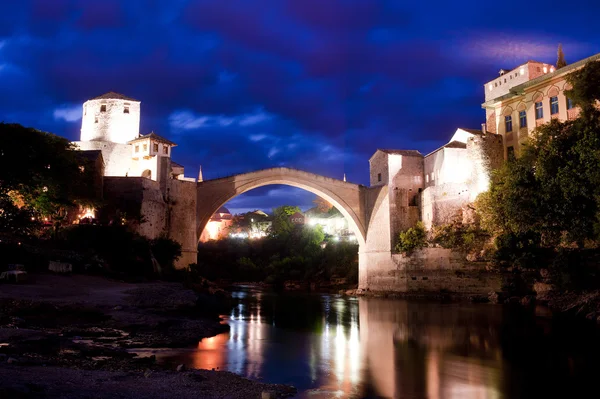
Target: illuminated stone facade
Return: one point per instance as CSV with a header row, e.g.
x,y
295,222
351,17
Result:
x,y
526,97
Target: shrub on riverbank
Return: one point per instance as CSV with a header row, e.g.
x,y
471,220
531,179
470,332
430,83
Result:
x,y
276,259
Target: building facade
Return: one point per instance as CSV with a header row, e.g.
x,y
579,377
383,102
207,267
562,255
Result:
x,y
139,177
526,97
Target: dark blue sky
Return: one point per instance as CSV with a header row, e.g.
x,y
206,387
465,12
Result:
x,y
312,84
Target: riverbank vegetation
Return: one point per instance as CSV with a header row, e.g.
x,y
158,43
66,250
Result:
x,y
290,252
45,183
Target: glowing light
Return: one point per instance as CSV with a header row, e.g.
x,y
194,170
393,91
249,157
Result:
x,y
522,71
340,352
88,213
545,70
490,86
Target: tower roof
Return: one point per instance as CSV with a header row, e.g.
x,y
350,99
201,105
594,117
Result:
x,y
155,137
111,95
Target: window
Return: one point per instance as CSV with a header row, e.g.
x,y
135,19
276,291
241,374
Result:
x,y
155,147
427,178
539,110
570,104
522,71
504,80
378,176
496,84
545,70
137,148
145,147
508,123
522,118
510,153
553,105
165,149
126,109
103,108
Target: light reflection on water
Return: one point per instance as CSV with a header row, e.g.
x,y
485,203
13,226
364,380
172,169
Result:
x,y
332,347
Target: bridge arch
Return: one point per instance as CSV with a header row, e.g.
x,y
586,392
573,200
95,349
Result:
x,y
346,197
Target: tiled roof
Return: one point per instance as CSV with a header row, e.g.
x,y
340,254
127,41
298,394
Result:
x,y
472,131
111,95
408,153
455,144
155,137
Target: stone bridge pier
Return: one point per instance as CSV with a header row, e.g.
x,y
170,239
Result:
x,y
366,209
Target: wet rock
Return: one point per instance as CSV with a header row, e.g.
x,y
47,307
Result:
x,y
472,257
147,373
513,300
118,307
493,297
350,292
12,360
181,367
268,395
528,300
542,291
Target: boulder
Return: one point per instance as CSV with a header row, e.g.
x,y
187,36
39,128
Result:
x,y
542,291
528,300
493,297
181,367
12,360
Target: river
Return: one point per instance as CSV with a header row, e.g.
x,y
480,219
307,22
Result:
x,y
329,346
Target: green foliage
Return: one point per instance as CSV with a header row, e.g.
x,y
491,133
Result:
x,y
586,86
42,172
297,255
547,201
282,225
552,190
458,235
166,251
411,239
560,59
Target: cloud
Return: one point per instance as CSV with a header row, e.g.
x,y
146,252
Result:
x,y
188,120
68,113
257,137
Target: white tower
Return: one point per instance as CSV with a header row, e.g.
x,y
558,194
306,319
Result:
x,y
110,117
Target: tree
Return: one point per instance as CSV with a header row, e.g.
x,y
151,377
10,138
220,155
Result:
x,y
282,225
42,171
560,61
550,195
586,87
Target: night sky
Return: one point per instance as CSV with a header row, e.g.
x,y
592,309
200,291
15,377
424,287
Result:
x,y
241,85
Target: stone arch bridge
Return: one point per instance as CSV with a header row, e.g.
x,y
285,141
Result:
x,y
365,208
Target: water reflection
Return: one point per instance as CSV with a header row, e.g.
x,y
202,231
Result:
x,y
371,348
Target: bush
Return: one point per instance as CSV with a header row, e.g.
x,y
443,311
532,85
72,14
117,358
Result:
x,y
411,239
165,251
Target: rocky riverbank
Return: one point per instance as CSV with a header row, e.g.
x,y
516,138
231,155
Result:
x,y
68,336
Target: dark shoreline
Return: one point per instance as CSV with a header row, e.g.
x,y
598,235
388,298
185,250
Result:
x,y
83,326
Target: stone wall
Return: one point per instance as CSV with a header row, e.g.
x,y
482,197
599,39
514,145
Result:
x,y
439,204
431,270
486,153
117,157
182,197
113,124
378,166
